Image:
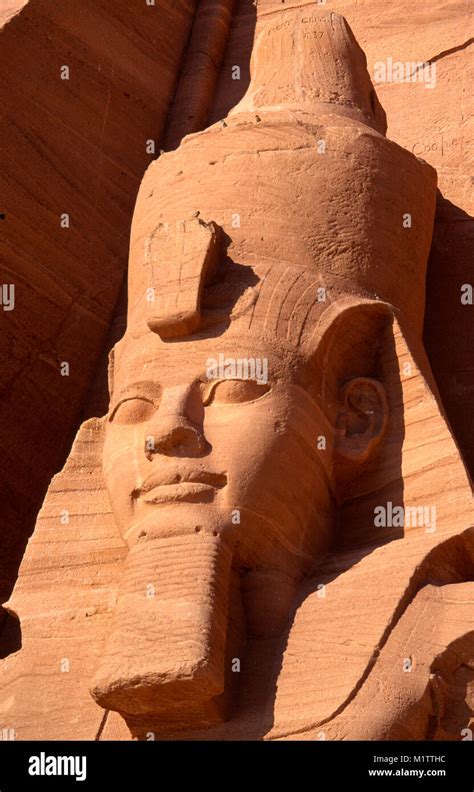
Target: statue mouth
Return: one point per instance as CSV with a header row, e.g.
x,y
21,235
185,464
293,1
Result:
x,y
188,487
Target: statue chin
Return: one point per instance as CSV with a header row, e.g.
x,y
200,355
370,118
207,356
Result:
x,y
165,655
195,586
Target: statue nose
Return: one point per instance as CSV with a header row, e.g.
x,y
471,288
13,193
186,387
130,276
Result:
x,y
182,439
177,429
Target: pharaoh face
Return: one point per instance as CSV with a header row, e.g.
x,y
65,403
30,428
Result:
x,y
230,434
219,435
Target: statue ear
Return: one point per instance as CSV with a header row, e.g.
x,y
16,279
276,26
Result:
x,y
362,419
347,374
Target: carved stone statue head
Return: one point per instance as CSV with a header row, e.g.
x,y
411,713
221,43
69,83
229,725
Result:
x,y
268,534
269,253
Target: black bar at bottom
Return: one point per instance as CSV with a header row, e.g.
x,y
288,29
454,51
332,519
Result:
x,y
151,765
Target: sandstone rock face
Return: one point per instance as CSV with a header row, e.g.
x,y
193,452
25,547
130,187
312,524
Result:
x,y
272,523
83,90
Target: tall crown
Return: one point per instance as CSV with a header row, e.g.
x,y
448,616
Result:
x,y
304,59
302,186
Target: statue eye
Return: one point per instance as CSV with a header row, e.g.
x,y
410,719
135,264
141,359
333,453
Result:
x,y
236,392
132,411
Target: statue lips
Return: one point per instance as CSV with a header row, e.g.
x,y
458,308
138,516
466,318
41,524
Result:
x,y
190,487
